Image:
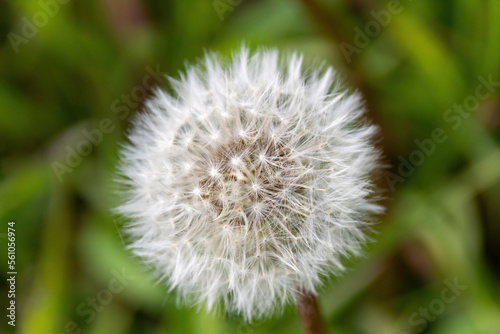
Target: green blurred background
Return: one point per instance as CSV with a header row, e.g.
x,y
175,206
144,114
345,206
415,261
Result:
x,y
429,70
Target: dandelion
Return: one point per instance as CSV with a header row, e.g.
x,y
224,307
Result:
x,y
250,183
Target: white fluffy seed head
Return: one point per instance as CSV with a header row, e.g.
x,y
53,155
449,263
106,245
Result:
x,y
249,183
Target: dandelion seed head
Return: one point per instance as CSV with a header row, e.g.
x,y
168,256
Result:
x,y
266,181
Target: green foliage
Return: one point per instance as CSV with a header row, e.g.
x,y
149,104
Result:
x,y
86,65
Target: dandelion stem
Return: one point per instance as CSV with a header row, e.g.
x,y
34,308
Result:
x,y
309,312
